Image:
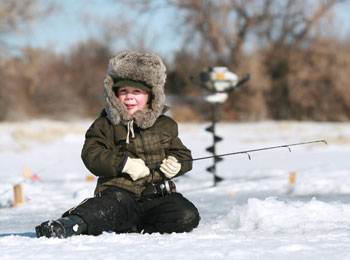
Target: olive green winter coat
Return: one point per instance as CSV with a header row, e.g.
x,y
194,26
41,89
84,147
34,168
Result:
x,y
109,140
105,150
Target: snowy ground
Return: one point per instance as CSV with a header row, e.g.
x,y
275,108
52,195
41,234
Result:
x,y
255,213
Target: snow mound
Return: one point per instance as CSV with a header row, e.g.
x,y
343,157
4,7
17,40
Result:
x,y
276,216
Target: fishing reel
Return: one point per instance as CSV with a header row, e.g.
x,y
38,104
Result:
x,y
161,189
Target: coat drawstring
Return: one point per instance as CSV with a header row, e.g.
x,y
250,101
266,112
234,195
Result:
x,y
130,126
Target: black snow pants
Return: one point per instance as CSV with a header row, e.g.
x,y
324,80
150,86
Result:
x,y
119,211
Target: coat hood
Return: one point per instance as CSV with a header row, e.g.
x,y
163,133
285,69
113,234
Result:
x,y
147,68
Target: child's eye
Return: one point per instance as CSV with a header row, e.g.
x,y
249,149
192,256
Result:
x,y
122,92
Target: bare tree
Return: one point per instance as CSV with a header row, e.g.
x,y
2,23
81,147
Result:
x,y
234,33
294,32
228,27
16,15
317,82
277,42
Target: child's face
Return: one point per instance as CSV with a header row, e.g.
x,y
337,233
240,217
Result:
x,y
133,98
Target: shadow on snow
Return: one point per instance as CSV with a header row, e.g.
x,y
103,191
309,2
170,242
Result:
x,y
25,234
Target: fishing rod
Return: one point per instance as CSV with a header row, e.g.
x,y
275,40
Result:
x,y
156,165
259,149
166,187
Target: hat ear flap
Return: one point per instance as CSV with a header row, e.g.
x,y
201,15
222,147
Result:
x,y
115,110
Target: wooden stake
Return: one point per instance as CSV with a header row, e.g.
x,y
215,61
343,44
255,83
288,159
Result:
x,y
292,177
90,178
19,195
27,173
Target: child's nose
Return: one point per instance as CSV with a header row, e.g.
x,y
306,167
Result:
x,y
129,95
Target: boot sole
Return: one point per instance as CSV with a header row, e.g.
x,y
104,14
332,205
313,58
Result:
x,y
49,229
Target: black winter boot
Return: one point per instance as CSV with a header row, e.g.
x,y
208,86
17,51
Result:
x,y
62,227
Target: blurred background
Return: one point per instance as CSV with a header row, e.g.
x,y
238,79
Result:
x,y
54,55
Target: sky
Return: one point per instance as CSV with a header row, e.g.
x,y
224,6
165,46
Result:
x,y
65,28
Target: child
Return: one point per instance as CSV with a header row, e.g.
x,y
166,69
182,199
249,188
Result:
x,y
134,149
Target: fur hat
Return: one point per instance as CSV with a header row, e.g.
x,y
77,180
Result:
x,y
146,68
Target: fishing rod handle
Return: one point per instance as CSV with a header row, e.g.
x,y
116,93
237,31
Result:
x,y
154,166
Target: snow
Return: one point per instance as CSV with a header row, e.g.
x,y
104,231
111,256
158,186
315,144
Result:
x,y
255,213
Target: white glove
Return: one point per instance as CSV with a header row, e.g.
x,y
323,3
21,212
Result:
x,y
136,168
170,167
